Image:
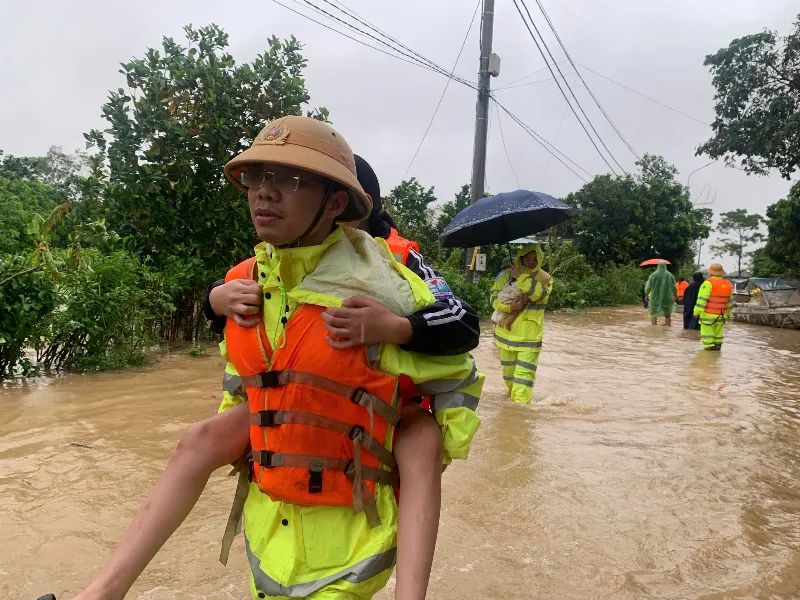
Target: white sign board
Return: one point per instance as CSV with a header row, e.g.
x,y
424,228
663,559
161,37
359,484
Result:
x,y
480,262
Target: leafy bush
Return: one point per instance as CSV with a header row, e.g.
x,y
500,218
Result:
x,y
106,303
27,297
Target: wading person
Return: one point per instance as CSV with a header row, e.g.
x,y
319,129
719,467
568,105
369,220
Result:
x,y
521,343
713,307
330,438
660,289
689,301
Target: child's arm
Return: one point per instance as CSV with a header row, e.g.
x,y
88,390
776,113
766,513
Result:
x,y
206,447
533,289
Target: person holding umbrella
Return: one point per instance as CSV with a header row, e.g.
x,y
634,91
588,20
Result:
x,y
660,289
521,343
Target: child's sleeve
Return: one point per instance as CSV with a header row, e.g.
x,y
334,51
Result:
x,y
454,385
232,390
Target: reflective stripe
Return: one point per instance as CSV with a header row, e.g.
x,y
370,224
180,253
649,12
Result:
x,y
526,365
515,344
440,386
533,287
232,384
453,400
532,306
508,363
372,354
361,571
524,382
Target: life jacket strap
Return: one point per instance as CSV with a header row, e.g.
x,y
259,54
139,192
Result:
x,y
274,418
233,527
371,402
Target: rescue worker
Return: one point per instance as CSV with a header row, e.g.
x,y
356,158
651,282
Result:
x,y
680,290
520,346
321,513
660,289
447,327
690,300
713,308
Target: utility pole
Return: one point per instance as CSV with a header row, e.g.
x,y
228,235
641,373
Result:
x,y
489,66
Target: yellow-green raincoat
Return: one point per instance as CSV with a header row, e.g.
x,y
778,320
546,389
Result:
x,y
327,552
520,346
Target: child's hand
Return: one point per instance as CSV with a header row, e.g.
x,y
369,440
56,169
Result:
x,y
238,300
517,303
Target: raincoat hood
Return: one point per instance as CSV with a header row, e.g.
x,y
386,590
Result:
x,y
697,277
525,249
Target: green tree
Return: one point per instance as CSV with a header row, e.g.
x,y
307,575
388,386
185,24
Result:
x,y
622,220
20,201
738,230
184,112
757,78
451,208
783,226
410,204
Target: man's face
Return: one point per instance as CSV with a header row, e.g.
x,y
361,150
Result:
x,y
530,260
283,201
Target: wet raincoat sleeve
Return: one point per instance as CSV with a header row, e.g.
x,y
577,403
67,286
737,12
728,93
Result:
x,y
534,290
454,385
233,392
702,297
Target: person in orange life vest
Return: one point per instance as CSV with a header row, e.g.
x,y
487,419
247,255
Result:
x,y
681,290
447,327
281,200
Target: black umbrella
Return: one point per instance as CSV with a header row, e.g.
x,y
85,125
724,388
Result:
x,y
503,218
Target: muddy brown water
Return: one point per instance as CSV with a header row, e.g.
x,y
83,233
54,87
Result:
x,y
645,469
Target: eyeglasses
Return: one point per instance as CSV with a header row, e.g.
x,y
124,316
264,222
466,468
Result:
x,y
286,182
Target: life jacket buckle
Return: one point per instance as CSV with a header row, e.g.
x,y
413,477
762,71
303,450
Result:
x,y
263,458
315,479
355,431
265,418
269,379
357,394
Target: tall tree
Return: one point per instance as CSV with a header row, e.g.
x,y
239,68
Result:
x,y
183,113
783,227
757,78
738,230
410,204
624,220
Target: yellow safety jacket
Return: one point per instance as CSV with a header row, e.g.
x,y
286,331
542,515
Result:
x,y
295,551
527,330
714,300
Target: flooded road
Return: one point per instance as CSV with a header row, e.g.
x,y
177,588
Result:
x,y
645,469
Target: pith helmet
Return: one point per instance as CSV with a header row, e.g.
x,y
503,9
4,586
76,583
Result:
x,y
310,145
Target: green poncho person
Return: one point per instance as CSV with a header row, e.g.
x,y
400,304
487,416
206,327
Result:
x,y
660,287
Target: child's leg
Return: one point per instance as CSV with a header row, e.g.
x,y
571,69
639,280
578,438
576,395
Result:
x,y
418,450
203,449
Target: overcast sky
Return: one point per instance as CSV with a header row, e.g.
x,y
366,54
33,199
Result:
x,y
61,58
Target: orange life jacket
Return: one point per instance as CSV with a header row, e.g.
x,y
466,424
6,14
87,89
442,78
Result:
x,y
682,285
720,296
321,419
400,246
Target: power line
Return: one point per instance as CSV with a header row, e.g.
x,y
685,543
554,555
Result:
x,y
420,62
561,89
444,91
416,63
675,110
519,85
511,83
344,9
503,137
596,101
566,83
544,143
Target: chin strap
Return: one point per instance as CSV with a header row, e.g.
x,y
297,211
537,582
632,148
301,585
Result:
x,y
315,220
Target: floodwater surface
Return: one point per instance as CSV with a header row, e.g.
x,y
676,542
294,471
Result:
x,y
644,469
